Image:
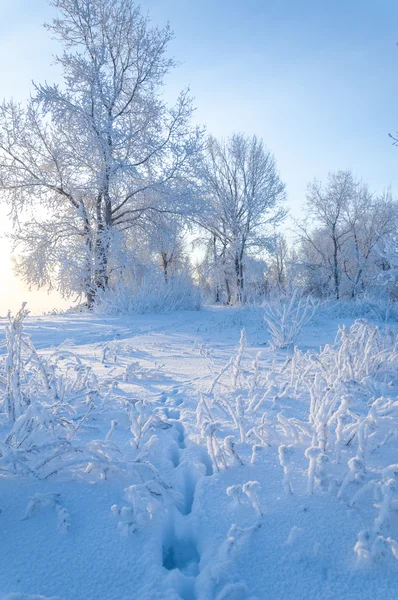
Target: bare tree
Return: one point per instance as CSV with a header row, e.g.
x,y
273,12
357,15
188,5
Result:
x,y
277,276
326,206
372,219
345,225
243,195
165,237
81,160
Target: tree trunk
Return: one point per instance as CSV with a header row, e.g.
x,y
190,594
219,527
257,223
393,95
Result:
x,y
102,243
240,281
239,278
88,271
165,264
228,288
336,268
101,272
217,290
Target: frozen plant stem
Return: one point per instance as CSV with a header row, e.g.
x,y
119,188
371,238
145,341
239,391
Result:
x,y
285,454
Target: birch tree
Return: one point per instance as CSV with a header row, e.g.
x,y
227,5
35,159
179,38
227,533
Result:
x,y
83,160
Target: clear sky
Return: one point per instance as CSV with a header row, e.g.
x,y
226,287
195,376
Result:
x,y
317,79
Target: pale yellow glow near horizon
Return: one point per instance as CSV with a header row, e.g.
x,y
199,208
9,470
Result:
x,y
12,290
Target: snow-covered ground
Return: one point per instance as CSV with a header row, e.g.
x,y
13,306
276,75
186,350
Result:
x,y
161,506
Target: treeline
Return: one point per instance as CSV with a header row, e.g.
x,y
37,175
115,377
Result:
x,y
106,184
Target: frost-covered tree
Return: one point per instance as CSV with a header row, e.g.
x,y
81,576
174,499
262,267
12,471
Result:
x,y
326,206
345,226
279,258
387,250
216,270
244,194
82,162
166,243
373,220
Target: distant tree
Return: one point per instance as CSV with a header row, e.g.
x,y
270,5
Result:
x,y
166,241
387,251
216,267
79,164
326,206
345,224
277,276
373,220
244,195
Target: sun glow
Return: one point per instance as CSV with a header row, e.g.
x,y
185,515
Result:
x,y
13,291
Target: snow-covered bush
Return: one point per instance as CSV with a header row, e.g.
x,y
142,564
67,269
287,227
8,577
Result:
x,y
151,294
144,500
50,399
364,354
285,318
372,543
246,494
349,393
377,308
13,398
317,424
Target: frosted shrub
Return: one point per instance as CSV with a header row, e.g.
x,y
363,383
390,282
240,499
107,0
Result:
x,y
50,400
355,474
348,392
141,418
250,489
372,543
230,451
214,448
231,405
238,360
25,375
274,390
137,514
144,500
367,307
151,294
204,411
361,364
312,454
363,354
109,353
13,398
236,493
246,494
235,370
388,489
217,378
285,319
365,350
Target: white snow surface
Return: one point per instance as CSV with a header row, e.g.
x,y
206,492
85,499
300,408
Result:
x,y
61,538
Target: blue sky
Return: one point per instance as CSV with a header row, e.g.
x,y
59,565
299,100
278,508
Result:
x,y
316,79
